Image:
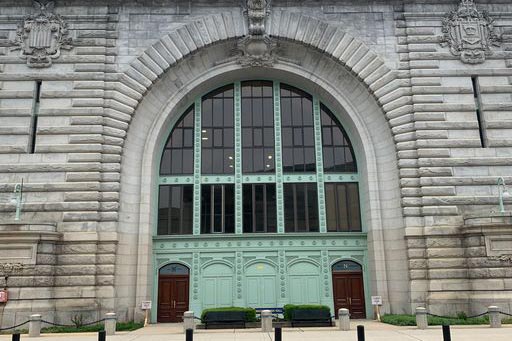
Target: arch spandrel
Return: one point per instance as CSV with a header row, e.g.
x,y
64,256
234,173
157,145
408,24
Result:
x,y
328,38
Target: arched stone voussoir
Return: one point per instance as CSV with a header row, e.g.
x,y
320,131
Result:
x,y
178,44
328,38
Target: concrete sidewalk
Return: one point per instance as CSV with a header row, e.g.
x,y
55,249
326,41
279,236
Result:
x,y
374,332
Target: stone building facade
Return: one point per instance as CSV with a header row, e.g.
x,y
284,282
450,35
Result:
x,y
90,94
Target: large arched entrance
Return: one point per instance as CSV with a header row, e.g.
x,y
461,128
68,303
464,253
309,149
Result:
x,y
162,107
173,292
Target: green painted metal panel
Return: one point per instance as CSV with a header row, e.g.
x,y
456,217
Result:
x,y
291,178
322,219
238,160
278,158
261,178
197,167
217,179
341,177
176,180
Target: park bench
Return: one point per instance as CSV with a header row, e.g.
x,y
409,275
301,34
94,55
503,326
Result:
x,y
225,318
274,311
311,317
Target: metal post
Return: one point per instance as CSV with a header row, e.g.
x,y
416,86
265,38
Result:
x,y
102,336
360,333
16,337
278,334
110,323
189,335
188,321
446,333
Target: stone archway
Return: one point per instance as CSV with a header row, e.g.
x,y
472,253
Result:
x,y
344,72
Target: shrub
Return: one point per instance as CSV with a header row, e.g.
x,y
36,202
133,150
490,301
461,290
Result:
x,y
410,320
250,313
289,308
120,326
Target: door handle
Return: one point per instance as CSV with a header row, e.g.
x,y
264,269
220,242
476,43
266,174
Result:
x,y
350,300
174,304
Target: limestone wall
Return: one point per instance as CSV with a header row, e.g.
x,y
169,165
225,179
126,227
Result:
x,y
123,50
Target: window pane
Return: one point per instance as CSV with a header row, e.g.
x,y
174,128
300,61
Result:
x,y
353,207
217,131
175,210
330,202
338,154
301,207
312,208
289,207
173,161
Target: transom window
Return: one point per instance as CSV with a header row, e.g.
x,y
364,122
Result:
x,y
258,157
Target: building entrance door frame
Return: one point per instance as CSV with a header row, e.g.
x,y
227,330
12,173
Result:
x,y
173,293
348,288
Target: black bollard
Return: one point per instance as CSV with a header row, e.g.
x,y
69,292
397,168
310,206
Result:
x,y
446,333
360,333
189,335
16,337
102,335
278,334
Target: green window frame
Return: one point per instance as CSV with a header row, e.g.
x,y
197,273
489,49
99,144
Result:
x,y
233,176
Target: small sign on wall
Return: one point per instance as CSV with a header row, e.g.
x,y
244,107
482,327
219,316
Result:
x,y
145,305
376,300
3,296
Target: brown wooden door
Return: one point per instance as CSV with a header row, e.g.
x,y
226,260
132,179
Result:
x,y
349,293
172,297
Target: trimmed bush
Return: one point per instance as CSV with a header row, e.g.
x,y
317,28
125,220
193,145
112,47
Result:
x,y
460,319
250,313
289,308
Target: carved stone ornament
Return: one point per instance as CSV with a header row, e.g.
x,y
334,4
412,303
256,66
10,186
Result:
x,y
469,33
257,49
41,36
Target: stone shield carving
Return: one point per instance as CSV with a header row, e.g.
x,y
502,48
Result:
x,y
469,33
41,36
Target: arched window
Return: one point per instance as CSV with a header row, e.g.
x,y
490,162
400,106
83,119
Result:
x,y
347,265
174,269
258,157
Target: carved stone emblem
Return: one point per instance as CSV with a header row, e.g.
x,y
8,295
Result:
x,y
257,49
41,36
469,33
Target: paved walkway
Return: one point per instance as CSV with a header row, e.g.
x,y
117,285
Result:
x,y
374,332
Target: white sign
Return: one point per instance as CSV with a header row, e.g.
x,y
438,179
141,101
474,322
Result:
x,y
376,300
145,305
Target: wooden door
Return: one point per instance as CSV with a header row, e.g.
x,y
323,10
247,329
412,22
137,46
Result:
x,y
172,297
349,293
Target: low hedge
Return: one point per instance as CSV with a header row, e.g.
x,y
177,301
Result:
x,y
289,308
410,320
250,313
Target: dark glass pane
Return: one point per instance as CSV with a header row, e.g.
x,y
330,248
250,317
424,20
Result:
x,y
188,137
228,112
353,207
165,165
346,265
300,211
258,164
247,208
269,159
258,137
247,160
309,137
229,140
327,136
174,269
309,159
330,210
175,210
312,207
298,158
271,209
247,137
206,209
259,209
287,137
206,162
206,113
307,110
297,137
176,158
328,155
286,112
257,112
342,208
206,138
288,160
218,161
229,208
289,207
188,210
268,137
268,112
297,112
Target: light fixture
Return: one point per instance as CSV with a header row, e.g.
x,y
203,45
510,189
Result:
x,y
203,131
270,157
204,138
503,193
230,157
